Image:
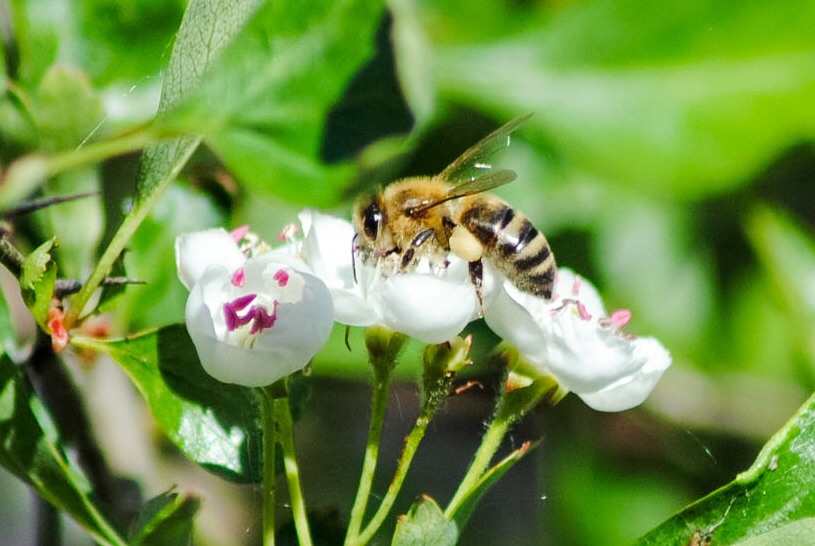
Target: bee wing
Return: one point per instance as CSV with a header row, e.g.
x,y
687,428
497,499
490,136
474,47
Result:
x,y
487,181
471,165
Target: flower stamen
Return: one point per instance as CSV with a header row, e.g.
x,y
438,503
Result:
x,y
576,286
262,319
288,232
239,233
235,321
620,318
582,311
282,277
238,278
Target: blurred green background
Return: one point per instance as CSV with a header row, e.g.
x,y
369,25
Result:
x,y
670,160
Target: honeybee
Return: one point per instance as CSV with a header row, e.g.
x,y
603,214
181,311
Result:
x,y
430,217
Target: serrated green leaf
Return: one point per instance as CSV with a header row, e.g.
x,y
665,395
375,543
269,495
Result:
x,y
37,281
263,106
775,491
29,448
214,424
165,520
425,525
702,94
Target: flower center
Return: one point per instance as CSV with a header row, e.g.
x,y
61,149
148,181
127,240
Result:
x,y
257,315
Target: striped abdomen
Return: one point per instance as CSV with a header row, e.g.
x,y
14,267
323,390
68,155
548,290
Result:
x,y
511,243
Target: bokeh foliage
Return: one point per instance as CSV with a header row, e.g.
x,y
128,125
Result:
x,y
669,159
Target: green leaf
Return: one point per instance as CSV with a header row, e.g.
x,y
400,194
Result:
x,y
68,114
263,107
490,477
214,424
36,37
207,27
8,331
775,492
127,40
67,109
76,249
413,59
701,94
30,450
425,525
787,252
37,281
166,520
800,533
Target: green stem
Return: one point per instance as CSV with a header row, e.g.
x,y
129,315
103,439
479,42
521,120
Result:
x,y
378,406
101,150
411,446
298,505
269,441
511,407
123,235
489,445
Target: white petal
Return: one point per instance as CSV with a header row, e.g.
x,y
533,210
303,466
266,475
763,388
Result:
x,y
328,248
300,330
520,319
423,306
612,370
632,391
196,251
352,309
585,356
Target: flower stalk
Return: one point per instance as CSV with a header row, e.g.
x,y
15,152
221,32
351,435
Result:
x,y
286,439
383,348
269,481
512,405
440,364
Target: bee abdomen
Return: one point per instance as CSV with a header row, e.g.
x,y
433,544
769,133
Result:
x,y
512,244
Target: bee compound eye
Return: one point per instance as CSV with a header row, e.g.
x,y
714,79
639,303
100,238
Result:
x,y
371,220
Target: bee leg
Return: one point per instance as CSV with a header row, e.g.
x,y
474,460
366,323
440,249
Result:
x,y
476,277
406,258
422,236
417,241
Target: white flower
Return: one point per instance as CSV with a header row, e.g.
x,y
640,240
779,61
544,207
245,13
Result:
x,y
431,305
572,338
253,321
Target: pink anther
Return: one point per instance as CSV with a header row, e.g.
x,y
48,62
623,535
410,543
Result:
x,y
239,233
